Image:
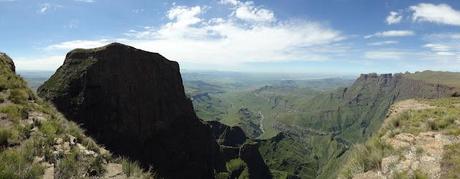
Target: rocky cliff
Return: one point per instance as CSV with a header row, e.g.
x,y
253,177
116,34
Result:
x,y
133,102
36,141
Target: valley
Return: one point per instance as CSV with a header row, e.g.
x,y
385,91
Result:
x,y
299,127
229,89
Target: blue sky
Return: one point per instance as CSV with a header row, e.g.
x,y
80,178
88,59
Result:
x,y
311,36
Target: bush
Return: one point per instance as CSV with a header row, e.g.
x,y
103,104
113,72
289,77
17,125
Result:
x,y
235,165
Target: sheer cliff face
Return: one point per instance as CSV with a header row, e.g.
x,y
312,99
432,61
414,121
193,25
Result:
x,y
133,102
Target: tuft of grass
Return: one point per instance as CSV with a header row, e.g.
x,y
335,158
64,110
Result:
x,y
18,163
401,175
133,169
15,112
96,167
420,175
450,163
19,96
69,166
90,144
365,157
5,134
49,128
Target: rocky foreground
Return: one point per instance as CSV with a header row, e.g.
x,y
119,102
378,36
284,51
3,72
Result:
x,y
36,141
419,139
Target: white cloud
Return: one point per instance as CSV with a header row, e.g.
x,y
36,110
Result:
x,y
392,33
247,11
45,63
385,54
184,16
444,46
45,7
441,14
393,18
438,47
380,43
79,44
227,41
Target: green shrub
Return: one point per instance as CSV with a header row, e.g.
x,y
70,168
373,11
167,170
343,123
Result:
x,y
222,175
235,165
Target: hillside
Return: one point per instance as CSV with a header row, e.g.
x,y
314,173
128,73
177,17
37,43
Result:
x,y
257,106
419,139
318,127
436,77
37,141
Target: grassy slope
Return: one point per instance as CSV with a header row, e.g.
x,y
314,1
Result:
x,y
437,77
442,118
277,101
30,131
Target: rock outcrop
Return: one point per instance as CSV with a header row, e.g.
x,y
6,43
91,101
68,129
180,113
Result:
x,y
133,102
7,61
236,145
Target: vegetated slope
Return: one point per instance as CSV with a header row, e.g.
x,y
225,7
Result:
x,y
257,106
436,77
133,102
36,141
419,139
331,122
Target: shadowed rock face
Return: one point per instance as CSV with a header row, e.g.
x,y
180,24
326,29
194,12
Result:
x,y
7,61
133,102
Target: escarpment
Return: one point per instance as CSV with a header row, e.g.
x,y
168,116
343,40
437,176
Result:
x,y
133,102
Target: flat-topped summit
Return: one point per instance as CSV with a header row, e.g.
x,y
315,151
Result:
x,y
133,102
